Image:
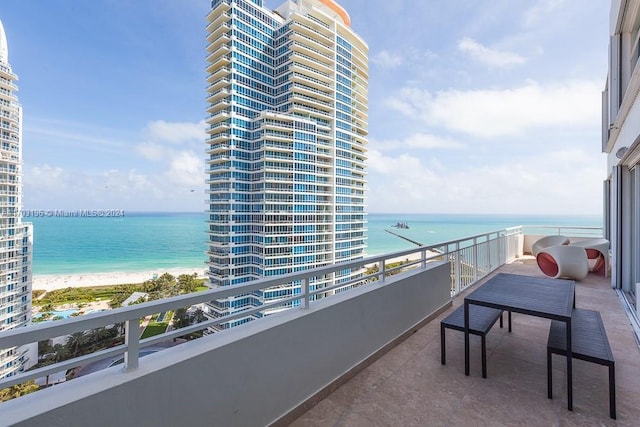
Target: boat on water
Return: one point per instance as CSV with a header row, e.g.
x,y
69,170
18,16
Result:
x,y
401,225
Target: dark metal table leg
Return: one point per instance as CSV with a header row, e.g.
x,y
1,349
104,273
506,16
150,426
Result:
x,y
466,338
569,368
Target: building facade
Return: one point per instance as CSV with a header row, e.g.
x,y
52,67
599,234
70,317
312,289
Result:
x,y
621,143
286,153
15,236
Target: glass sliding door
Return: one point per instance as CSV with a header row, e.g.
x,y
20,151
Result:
x,y
634,271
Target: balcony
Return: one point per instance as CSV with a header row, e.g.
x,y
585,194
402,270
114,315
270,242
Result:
x,y
409,386
368,355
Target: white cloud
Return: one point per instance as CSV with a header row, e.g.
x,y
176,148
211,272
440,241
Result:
x,y
55,188
387,59
538,11
186,169
420,141
151,151
163,179
488,56
489,113
46,176
77,136
176,132
564,182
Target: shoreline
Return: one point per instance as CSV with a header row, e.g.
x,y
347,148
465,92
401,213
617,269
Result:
x,y
50,282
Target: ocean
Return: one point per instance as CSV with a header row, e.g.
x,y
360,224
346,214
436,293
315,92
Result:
x,y
150,241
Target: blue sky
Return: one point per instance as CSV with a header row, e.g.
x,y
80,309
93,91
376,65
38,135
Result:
x,y
475,106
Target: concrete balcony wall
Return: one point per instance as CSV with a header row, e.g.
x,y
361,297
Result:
x,y
252,375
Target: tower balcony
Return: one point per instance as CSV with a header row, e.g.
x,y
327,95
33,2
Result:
x,y
312,62
313,44
7,95
218,116
216,159
306,79
218,126
223,41
6,72
314,102
219,137
216,60
215,96
218,8
216,30
218,84
8,85
315,73
218,73
312,92
367,348
220,104
312,30
216,148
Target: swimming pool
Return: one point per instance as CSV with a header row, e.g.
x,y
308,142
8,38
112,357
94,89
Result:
x,y
65,314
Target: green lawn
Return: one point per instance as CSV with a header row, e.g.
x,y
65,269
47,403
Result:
x,y
154,329
81,294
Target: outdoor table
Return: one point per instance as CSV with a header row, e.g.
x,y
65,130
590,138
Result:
x,y
549,298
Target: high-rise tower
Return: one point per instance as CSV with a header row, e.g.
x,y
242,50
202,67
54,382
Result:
x,y
15,236
287,95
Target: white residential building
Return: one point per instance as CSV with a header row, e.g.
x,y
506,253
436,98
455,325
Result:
x,y
15,236
287,104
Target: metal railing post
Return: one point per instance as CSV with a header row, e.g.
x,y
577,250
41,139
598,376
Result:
x,y
382,268
488,267
305,289
132,341
458,269
475,259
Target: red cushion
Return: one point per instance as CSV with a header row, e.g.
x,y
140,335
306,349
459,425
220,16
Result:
x,y
592,253
547,264
599,266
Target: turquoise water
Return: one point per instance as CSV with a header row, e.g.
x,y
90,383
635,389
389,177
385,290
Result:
x,y
65,314
149,241
430,229
135,242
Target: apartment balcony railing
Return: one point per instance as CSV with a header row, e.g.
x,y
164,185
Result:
x,y
440,272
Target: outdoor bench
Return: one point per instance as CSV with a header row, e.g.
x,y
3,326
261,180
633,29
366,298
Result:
x,y
588,342
481,320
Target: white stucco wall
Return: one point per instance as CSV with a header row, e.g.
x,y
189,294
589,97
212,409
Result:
x,y
248,376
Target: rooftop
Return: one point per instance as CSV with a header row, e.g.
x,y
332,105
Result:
x,y
408,386
369,355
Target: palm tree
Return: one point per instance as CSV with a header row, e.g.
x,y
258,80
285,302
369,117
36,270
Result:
x,y
75,341
44,347
188,282
199,315
180,318
61,353
48,307
92,336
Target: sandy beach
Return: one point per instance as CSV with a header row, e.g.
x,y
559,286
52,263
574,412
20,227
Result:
x,y
51,282
61,281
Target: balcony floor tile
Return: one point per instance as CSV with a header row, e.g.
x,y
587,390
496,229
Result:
x,y
408,386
